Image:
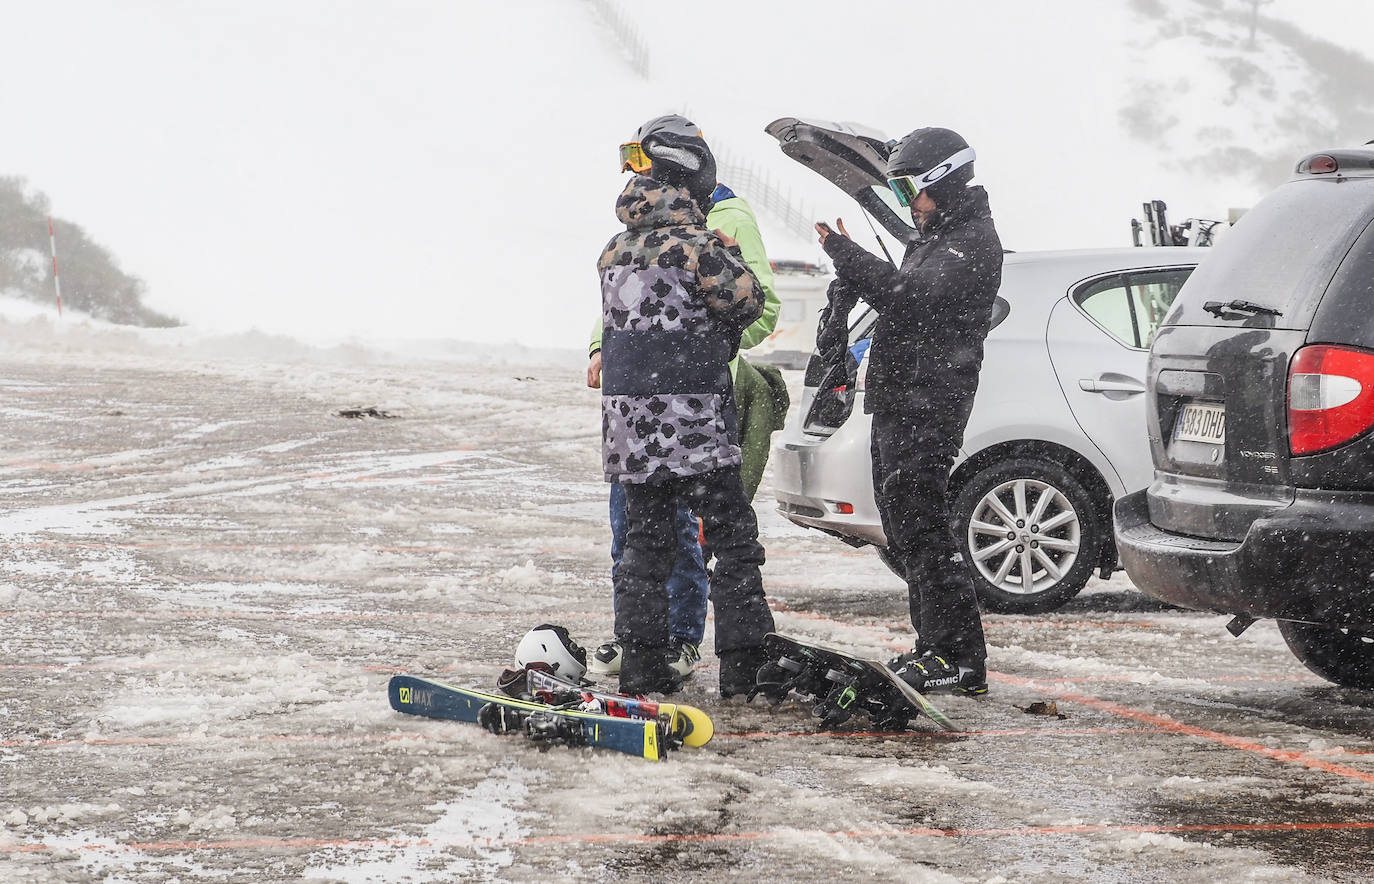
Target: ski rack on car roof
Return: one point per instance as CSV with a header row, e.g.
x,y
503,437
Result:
x,y
1192,232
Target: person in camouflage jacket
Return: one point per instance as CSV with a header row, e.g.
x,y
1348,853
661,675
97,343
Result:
x,y
676,298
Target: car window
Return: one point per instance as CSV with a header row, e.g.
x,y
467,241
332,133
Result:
x,y
1152,294
1281,254
1131,306
1344,316
1106,301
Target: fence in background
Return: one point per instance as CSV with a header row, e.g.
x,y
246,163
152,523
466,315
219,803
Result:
x,y
635,47
751,181
765,194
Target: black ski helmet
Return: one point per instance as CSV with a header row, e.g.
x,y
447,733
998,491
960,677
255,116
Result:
x,y
679,156
937,158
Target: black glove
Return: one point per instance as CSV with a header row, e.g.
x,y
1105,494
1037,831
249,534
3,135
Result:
x,y
832,333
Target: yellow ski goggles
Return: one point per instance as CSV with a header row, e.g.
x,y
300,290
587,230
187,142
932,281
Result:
x,y
633,158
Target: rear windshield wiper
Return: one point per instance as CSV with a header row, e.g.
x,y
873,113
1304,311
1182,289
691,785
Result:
x,y
1216,308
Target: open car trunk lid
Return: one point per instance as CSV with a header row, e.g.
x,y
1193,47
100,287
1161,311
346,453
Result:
x,y
851,157
854,159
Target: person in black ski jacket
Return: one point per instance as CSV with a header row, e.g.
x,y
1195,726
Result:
x,y
934,312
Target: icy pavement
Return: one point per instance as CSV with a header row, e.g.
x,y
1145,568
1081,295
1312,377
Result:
x,y
206,579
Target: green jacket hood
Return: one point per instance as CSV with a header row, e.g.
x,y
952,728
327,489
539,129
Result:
x,y
647,204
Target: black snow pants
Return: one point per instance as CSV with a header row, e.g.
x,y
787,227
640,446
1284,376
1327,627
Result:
x,y
732,532
912,457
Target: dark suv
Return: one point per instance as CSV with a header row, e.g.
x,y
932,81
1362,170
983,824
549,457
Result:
x,y
1261,402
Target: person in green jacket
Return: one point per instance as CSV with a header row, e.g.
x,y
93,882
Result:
x,y
760,399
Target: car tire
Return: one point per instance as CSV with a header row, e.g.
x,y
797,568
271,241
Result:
x,y
1060,554
1341,656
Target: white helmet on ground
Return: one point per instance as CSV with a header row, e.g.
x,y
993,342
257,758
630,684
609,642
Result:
x,y
552,646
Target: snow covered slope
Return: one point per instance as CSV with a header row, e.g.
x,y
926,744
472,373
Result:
x,y
207,579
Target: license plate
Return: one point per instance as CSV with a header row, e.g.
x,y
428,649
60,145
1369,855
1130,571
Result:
x,y
1199,422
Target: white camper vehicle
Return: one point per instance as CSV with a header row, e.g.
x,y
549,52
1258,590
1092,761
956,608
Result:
x,y
801,288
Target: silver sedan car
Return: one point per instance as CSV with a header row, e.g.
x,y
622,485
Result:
x,y
1057,430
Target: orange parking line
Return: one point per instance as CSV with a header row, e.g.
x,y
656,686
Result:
x,y
1010,732
1177,727
1158,721
435,616
268,843
442,734
228,547
164,666
993,625
250,738
1219,679
990,625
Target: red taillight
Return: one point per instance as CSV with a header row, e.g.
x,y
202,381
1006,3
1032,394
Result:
x,y
1330,397
1322,164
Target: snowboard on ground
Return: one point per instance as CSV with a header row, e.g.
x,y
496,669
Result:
x,y
842,684
541,722
686,724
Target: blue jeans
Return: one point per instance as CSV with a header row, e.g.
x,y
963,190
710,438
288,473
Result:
x,y
688,585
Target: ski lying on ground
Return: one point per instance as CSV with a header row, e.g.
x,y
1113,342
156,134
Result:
x,y
557,725
686,724
842,684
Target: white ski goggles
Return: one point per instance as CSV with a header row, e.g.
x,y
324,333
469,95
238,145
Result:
x,y
908,187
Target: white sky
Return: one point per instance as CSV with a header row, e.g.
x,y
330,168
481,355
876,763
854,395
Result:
x,y
446,169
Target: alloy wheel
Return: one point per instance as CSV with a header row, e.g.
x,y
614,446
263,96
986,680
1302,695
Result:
x,y
1024,536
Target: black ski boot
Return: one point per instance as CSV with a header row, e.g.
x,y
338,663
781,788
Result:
x,y
932,671
646,670
739,671
514,683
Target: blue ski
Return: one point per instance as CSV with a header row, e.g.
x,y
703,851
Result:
x,y
434,699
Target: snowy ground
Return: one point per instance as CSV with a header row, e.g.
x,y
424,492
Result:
x,y
206,579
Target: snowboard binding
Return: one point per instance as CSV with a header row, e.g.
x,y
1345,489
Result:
x,y
778,678
840,685
839,703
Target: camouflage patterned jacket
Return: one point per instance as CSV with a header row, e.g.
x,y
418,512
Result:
x,y
674,301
